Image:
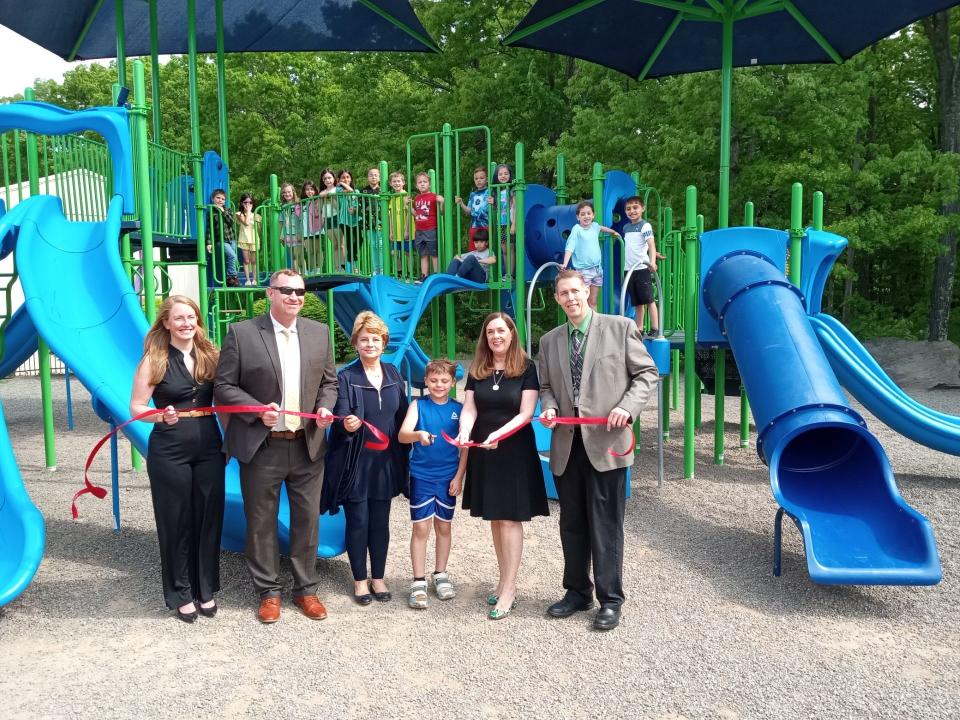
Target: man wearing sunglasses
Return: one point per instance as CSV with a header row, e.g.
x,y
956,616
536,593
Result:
x,y
284,362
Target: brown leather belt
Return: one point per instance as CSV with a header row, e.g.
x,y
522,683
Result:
x,y
287,434
195,413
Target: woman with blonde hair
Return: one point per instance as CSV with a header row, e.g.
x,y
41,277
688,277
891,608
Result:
x,y
362,480
184,461
504,482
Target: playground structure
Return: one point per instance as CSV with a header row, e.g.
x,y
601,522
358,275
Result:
x,y
828,473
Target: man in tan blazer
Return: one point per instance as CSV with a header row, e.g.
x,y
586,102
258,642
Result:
x,y
593,365
284,362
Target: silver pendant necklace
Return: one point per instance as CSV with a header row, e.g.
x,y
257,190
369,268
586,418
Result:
x,y
496,382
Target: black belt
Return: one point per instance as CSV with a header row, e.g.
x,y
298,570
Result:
x,y
287,434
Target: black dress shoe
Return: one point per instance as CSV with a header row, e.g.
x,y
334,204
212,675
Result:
x,y
607,618
364,599
567,607
188,618
385,596
208,612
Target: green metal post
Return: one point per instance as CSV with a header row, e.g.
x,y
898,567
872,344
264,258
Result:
x,y
449,241
561,179
435,303
666,271
138,114
43,350
155,71
384,229
221,87
818,210
744,401
199,199
273,231
796,231
519,264
726,81
126,252
690,241
121,43
597,178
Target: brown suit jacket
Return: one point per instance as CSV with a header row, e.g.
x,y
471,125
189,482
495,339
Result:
x,y
617,372
249,374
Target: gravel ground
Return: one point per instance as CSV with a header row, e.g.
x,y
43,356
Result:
x,y
707,632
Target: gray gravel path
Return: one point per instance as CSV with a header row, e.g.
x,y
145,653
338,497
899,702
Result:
x,y
707,631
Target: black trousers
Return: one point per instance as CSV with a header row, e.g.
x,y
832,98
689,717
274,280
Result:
x,y
591,528
368,531
280,462
185,467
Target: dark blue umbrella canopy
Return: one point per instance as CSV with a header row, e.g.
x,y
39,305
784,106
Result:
x,y
625,34
86,29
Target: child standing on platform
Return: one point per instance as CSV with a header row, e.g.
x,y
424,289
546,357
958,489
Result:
x,y
370,214
291,233
330,214
399,219
506,203
221,240
477,205
426,206
583,247
248,237
349,216
311,256
436,478
640,254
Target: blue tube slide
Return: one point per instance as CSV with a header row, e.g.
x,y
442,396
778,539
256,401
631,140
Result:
x,y
19,341
827,471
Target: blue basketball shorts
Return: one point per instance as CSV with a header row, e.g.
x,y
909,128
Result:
x,y
429,498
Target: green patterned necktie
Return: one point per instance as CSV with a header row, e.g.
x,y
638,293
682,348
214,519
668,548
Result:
x,y
576,362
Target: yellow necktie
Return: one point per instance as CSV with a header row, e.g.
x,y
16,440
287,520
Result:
x,y
291,387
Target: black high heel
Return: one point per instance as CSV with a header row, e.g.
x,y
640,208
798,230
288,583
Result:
x,y
188,618
208,612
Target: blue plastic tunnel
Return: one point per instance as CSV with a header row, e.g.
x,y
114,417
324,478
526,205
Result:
x,y
827,470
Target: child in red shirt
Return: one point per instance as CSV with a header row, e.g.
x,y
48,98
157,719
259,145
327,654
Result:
x,y
426,206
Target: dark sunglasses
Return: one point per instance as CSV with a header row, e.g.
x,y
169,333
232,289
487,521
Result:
x,y
299,292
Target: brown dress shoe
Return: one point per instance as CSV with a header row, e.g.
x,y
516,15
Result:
x,y
311,606
269,611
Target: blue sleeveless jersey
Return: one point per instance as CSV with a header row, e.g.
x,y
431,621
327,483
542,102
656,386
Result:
x,y
439,461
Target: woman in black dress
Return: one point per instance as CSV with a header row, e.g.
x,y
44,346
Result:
x,y
184,460
504,482
362,480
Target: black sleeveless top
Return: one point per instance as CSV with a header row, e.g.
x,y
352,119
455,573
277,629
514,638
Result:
x,y
178,387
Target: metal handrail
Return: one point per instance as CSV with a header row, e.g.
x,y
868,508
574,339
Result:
x,y
659,335
533,285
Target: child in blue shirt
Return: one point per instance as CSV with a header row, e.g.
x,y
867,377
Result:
x,y
477,205
583,247
436,477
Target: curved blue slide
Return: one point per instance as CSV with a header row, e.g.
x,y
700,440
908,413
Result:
x,y
79,299
860,374
19,341
827,471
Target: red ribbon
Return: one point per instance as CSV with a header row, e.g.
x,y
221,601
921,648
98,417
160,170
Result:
x,y
380,443
558,421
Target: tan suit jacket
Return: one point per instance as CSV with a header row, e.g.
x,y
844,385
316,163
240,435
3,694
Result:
x,y
617,372
249,374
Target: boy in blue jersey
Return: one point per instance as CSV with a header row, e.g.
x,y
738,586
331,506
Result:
x,y
583,248
436,477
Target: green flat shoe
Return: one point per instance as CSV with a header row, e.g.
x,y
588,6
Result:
x,y
497,614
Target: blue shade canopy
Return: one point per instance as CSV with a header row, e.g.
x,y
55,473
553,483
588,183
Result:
x,y
654,38
86,29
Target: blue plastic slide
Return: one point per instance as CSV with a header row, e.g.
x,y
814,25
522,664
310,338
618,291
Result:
x,y
19,341
401,305
827,471
860,374
22,531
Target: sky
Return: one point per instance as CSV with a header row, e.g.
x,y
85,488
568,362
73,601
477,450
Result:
x,y
22,62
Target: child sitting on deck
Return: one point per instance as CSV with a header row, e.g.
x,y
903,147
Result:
x,y
474,265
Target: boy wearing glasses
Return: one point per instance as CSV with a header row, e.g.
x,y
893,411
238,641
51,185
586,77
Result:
x,y
283,362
